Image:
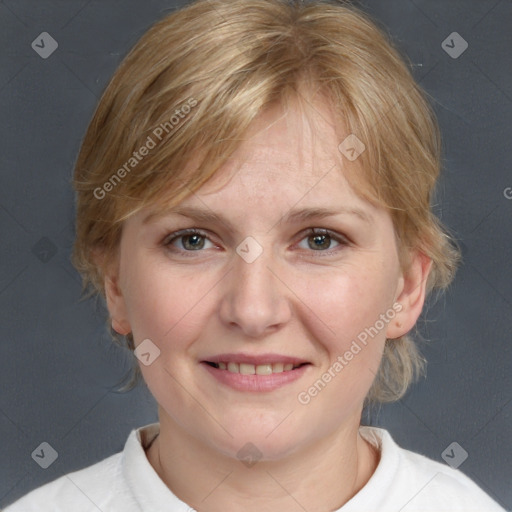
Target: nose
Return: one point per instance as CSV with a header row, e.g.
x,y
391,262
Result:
x,y
254,298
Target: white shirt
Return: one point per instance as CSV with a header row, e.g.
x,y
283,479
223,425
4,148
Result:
x,y
126,482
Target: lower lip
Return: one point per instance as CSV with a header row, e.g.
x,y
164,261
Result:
x,y
257,383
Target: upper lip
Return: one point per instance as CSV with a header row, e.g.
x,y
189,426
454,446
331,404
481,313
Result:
x,y
254,359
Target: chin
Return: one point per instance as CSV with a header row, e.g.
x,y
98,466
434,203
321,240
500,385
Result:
x,y
268,441
253,449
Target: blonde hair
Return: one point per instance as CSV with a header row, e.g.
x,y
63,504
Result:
x,y
193,84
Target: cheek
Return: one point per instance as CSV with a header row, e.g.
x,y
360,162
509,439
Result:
x,y
162,303
167,306
350,302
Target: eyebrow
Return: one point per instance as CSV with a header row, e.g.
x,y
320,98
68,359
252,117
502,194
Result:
x,y
292,217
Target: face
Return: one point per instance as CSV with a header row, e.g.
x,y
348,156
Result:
x,y
250,311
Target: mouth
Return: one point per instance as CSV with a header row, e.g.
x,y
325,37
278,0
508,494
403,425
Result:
x,y
245,372
255,369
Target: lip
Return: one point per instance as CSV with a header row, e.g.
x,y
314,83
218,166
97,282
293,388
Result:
x,y
254,359
255,383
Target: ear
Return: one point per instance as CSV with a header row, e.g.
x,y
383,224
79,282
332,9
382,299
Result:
x,y
410,295
115,301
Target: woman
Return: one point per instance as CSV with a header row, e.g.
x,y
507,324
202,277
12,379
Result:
x,y
253,203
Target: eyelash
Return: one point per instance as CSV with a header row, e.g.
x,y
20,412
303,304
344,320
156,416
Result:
x,y
342,240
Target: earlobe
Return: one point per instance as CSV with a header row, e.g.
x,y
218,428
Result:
x,y
116,305
411,296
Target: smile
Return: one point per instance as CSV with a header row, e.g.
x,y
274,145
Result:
x,y
255,373
252,369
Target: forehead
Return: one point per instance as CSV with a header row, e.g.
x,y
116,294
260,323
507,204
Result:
x,y
296,148
289,156
288,161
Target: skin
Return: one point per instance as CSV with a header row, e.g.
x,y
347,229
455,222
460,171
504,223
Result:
x,y
293,300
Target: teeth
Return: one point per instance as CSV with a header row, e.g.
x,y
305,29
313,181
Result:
x,y
277,368
247,369
260,369
233,368
264,369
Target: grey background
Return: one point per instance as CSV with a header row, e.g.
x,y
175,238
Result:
x,y
58,365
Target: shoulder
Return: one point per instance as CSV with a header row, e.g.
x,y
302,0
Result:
x,y
413,482
80,490
443,484
107,485
123,482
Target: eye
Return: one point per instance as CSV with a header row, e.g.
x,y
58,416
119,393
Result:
x,y
189,239
319,240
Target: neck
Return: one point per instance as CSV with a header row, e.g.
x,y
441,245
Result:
x,y
211,481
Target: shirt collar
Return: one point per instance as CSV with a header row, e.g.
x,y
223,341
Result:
x,y
153,495
149,491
